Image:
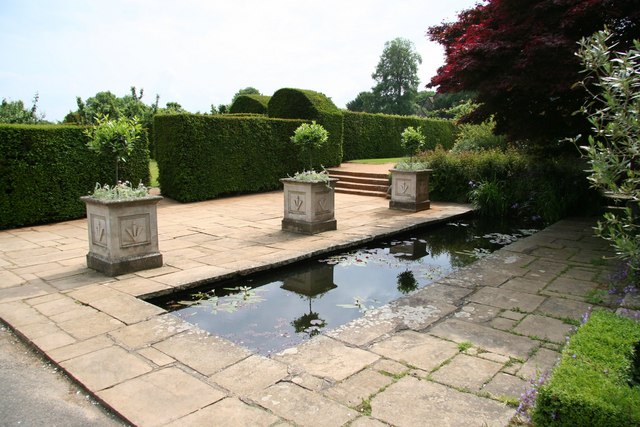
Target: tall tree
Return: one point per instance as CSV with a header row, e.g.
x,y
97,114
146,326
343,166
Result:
x,y
397,77
16,112
364,102
518,56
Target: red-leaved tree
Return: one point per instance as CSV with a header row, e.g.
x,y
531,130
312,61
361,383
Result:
x,y
518,56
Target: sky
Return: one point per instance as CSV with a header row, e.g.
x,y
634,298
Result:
x,y
201,52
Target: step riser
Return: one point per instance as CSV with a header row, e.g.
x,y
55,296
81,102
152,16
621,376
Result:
x,y
369,181
349,186
360,193
339,174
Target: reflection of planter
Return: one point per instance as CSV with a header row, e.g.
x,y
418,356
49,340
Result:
x,y
309,207
123,234
410,190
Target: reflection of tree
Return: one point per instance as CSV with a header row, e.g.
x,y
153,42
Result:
x,y
407,282
309,323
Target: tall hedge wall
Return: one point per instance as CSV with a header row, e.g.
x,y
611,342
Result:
x,y
202,157
45,169
256,104
370,136
306,104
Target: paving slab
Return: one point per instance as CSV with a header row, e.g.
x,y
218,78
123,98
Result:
x,y
505,385
359,387
507,299
467,372
149,332
539,363
205,353
416,349
231,412
325,357
106,367
484,337
438,406
160,397
564,308
545,328
250,375
477,313
303,407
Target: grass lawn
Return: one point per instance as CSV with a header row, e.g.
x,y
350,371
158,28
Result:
x,y
378,161
153,168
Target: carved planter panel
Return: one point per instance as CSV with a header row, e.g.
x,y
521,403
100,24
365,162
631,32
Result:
x,y
410,190
309,207
123,235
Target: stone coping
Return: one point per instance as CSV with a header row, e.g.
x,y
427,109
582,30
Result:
x,y
464,347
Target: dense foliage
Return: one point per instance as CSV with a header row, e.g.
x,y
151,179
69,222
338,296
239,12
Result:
x,y
614,148
15,112
45,169
595,383
517,56
396,77
252,104
309,105
202,157
509,183
370,136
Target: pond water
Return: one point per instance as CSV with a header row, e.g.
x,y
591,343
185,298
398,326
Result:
x,y
279,309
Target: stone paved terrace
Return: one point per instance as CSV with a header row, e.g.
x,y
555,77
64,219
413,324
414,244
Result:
x,y
451,354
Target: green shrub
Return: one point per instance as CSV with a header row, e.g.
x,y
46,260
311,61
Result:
x,y
45,170
202,157
371,136
309,105
504,183
594,383
479,138
252,104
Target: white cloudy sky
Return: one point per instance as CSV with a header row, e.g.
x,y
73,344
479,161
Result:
x,y
201,52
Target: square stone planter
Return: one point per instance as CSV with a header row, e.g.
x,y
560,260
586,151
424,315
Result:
x,y
309,207
123,234
410,190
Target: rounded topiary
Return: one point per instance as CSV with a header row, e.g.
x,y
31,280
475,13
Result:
x,y
300,104
252,104
309,137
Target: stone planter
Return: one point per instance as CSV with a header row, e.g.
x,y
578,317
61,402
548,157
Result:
x,y
123,234
309,207
410,190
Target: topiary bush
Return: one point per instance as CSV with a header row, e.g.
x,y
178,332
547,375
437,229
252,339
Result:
x,y
252,104
309,105
370,136
203,157
595,383
45,169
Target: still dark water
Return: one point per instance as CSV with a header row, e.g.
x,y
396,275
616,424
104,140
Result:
x,y
282,308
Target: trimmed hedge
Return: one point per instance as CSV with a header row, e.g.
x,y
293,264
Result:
x,y
309,105
371,136
595,383
253,104
202,157
45,169
549,188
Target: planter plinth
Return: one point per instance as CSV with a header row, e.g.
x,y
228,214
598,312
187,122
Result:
x,y
410,190
123,235
309,207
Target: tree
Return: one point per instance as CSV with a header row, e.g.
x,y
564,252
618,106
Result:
x,y
15,112
246,91
397,77
518,57
614,148
365,102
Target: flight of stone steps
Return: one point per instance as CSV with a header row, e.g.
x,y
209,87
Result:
x,y
361,183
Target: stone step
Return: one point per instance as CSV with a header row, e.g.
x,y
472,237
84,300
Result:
x,y
358,186
361,192
346,174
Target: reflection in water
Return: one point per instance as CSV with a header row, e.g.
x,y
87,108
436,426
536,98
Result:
x,y
301,301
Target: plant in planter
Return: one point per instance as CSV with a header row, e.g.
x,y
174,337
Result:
x,y
122,219
309,204
410,179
